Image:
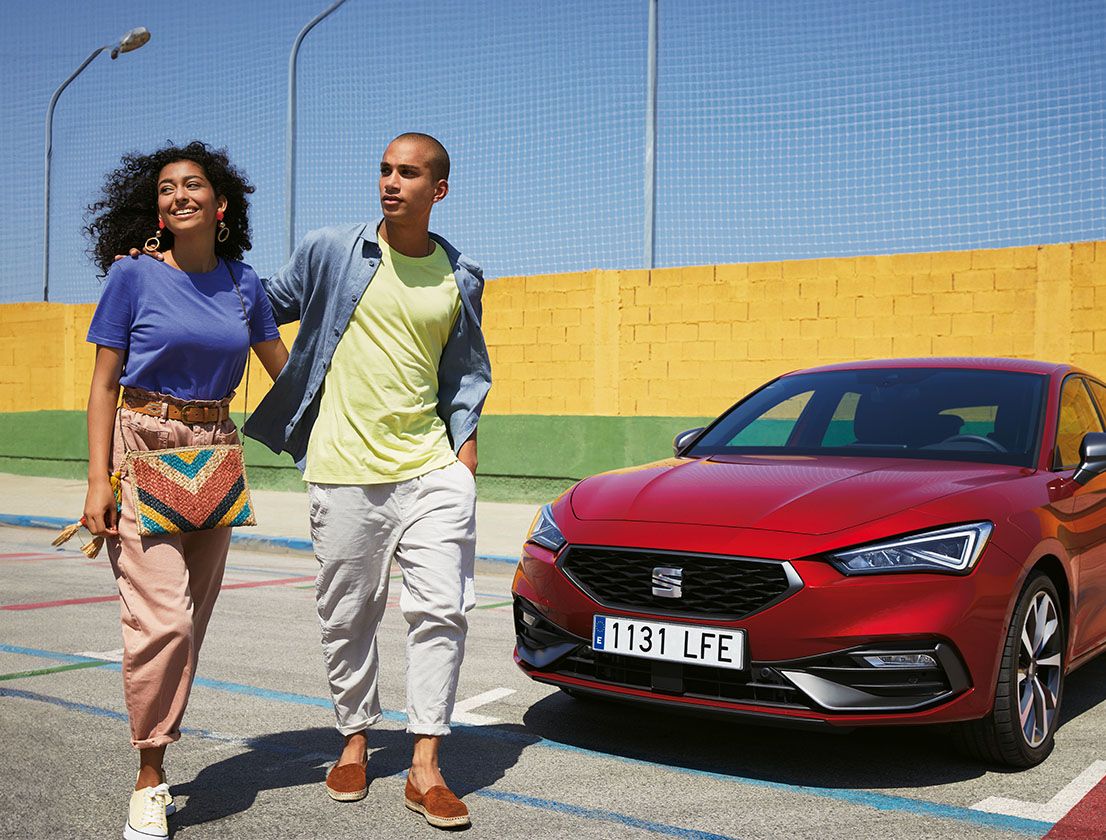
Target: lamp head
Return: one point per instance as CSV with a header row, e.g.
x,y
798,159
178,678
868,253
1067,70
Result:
x,y
134,39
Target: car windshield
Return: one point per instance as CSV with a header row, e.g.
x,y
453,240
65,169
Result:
x,y
926,413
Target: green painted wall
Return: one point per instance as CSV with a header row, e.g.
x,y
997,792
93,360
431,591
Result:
x,y
523,458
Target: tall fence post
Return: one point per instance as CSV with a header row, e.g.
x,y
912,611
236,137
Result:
x,y
651,138
290,133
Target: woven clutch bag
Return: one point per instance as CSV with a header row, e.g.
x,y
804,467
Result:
x,y
190,488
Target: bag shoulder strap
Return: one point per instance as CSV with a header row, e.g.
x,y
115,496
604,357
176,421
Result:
x,y
249,335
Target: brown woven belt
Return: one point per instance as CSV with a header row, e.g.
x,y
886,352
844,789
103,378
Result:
x,y
185,412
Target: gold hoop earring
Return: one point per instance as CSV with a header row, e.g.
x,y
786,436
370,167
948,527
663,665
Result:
x,y
224,232
153,244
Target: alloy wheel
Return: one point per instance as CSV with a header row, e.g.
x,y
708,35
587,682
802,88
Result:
x,y
1040,665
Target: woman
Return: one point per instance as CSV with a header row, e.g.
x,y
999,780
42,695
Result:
x,y
175,334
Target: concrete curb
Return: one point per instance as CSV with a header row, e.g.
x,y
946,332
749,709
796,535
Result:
x,y
255,542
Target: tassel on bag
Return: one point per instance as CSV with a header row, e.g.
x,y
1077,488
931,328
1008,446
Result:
x,y
91,548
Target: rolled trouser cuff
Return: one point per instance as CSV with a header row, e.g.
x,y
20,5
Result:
x,y
354,728
437,729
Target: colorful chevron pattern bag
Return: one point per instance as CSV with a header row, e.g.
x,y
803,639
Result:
x,y
190,488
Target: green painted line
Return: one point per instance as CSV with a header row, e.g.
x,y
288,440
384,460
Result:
x,y
493,606
72,666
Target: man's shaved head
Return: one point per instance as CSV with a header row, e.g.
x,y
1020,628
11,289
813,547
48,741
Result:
x,y
439,157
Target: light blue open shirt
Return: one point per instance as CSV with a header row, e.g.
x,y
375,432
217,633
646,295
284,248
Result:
x,y
320,288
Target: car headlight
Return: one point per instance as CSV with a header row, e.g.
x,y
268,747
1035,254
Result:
x,y
544,530
952,550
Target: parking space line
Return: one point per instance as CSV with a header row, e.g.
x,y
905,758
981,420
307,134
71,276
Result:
x,y
1056,808
31,558
38,672
1085,820
862,798
249,584
106,655
111,714
462,710
595,814
68,602
601,815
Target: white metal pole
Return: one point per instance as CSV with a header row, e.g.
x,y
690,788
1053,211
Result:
x,y
290,132
46,172
651,138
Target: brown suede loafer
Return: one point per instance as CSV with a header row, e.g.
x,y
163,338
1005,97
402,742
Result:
x,y
346,782
440,807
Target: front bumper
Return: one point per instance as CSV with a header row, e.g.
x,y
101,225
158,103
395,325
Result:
x,y
806,652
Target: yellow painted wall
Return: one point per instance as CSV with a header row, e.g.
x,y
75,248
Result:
x,y
688,341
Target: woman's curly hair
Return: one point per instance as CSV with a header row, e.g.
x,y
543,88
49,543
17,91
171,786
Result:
x,y
126,214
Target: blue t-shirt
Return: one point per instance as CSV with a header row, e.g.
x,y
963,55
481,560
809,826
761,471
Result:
x,y
184,334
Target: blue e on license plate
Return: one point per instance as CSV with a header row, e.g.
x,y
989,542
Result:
x,y
719,647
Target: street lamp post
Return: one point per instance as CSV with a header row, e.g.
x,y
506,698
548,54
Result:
x,y
134,39
290,131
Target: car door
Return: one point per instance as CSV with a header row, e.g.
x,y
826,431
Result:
x,y
1084,533
1091,502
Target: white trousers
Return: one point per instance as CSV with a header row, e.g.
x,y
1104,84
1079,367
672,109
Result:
x,y
428,524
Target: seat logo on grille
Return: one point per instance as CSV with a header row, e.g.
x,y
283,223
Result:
x,y
668,583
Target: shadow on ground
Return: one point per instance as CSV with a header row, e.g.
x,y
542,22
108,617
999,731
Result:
x,y
885,757
477,757
302,757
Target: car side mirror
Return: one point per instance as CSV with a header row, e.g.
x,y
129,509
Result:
x,y
1092,457
684,439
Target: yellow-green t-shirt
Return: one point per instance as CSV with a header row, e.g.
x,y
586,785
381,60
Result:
x,y
378,421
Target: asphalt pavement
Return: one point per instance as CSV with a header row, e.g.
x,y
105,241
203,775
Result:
x,y
530,761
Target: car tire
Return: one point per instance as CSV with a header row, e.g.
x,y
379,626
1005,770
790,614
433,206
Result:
x,y
1030,677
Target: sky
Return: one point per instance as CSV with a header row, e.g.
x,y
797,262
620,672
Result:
x,y
786,129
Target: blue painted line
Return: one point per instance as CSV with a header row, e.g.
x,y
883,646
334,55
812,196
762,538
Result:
x,y
870,799
501,796
499,558
601,815
111,714
47,654
256,541
52,522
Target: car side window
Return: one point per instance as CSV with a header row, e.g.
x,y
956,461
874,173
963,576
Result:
x,y
1098,391
1077,417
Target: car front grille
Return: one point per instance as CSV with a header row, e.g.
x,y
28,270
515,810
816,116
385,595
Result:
x,y
714,586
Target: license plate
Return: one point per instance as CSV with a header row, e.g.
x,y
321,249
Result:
x,y
715,646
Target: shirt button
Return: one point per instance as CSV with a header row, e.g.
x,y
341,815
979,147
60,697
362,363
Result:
x,y
336,331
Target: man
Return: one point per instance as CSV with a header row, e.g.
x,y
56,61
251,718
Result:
x,y
379,404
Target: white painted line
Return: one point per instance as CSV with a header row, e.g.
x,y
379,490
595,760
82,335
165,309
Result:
x,y
106,655
462,712
1056,808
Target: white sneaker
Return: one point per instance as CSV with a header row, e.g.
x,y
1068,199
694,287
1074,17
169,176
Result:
x,y
146,818
171,808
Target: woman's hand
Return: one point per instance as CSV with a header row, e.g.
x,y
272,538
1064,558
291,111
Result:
x,y
100,515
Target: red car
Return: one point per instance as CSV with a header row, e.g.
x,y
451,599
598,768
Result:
x,y
912,541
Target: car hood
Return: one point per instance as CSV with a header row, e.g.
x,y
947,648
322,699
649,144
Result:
x,y
802,495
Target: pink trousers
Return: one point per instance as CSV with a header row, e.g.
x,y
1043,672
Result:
x,y
167,589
